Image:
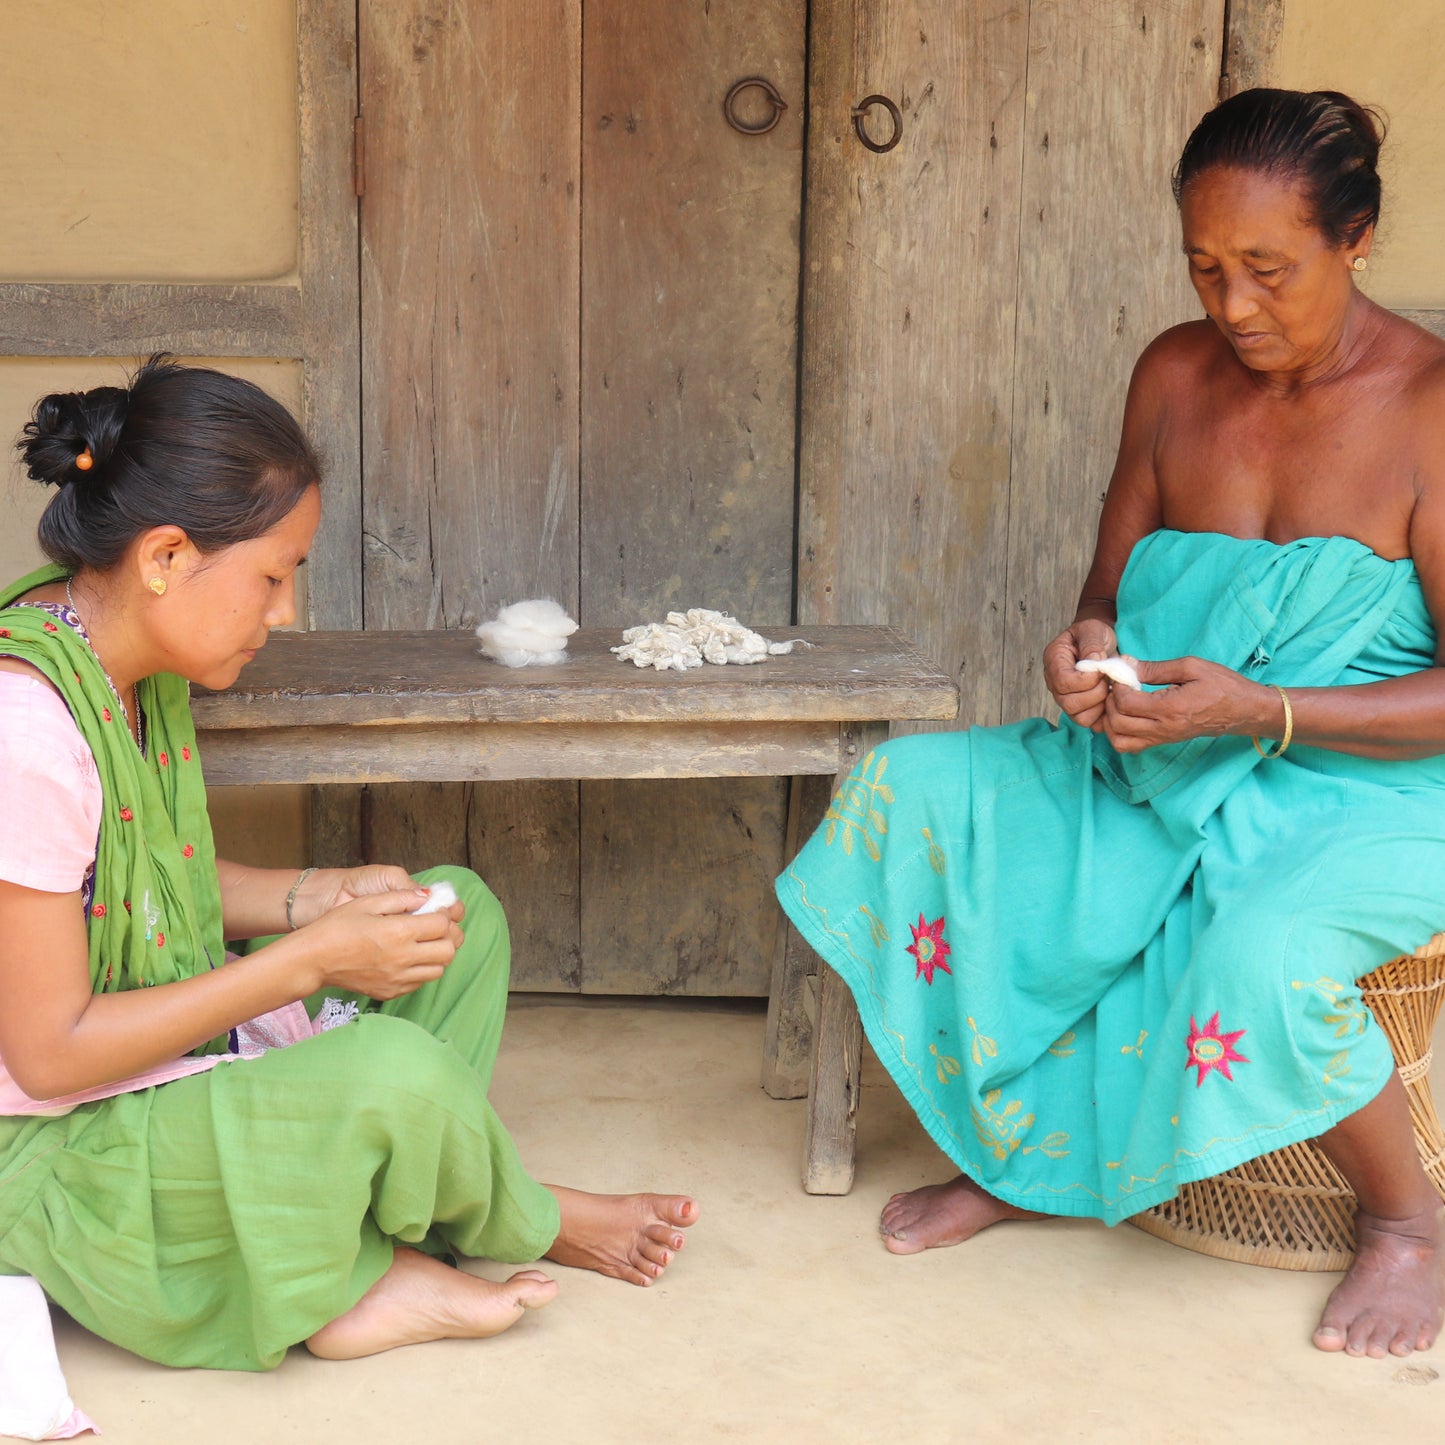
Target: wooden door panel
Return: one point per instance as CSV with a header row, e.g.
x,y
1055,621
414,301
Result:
x,y
470,266
689,396
908,331
1114,88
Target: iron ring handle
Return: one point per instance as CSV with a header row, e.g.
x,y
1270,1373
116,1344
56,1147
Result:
x,y
753,82
861,110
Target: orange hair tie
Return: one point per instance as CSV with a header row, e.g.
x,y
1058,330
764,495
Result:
x,y
84,462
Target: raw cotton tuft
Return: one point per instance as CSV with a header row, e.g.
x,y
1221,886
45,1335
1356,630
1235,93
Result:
x,y
691,638
525,634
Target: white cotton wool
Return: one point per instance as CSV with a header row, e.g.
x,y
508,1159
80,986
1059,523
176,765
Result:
x,y
439,896
1116,669
525,634
688,639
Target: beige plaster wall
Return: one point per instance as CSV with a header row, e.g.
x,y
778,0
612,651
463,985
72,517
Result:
x,y
148,142
1392,57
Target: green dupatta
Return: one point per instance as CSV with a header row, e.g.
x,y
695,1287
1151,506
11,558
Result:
x,y
155,915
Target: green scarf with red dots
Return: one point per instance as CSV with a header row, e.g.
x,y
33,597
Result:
x,y
155,915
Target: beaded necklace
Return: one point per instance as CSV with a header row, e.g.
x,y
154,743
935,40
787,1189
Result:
x,y
138,728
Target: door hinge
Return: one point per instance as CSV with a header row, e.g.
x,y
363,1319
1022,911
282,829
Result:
x,y
358,156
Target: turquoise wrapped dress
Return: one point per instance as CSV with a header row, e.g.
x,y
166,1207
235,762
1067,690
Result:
x,y
1096,977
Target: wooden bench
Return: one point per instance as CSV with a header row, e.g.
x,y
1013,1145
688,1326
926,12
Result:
x,y
382,707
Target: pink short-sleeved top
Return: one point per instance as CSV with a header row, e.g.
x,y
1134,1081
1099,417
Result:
x,y
50,803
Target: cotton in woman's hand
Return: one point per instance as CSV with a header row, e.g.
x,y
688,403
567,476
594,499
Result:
x,y
440,896
1116,669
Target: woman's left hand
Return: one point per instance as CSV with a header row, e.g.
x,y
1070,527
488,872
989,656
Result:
x,y
329,888
1200,699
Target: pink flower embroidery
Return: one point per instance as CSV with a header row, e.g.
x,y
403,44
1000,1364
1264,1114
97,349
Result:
x,y
126,815
928,948
188,851
98,911
186,754
1210,1049
164,761
105,713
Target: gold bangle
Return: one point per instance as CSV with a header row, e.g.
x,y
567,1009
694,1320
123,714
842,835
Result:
x,y
1288,726
301,877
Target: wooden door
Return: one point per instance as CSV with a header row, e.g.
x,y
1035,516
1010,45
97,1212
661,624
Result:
x,y
974,301
580,292
579,337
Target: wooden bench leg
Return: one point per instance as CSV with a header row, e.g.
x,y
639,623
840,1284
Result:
x,y
833,1089
828,1147
788,1042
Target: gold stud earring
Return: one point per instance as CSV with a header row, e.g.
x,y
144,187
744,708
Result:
x,y
158,586
1359,263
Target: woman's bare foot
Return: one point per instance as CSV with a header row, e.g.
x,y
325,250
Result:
x,y
1391,1299
628,1236
942,1214
420,1298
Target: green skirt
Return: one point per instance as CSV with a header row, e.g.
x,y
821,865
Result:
x,y
219,1219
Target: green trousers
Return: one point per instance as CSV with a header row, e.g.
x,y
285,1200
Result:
x,y
222,1218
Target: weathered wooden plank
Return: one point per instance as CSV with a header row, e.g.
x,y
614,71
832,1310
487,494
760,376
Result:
x,y
514,832
1252,31
788,1035
469,299
692,864
328,265
689,346
832,1127
336,827
908,327
360,678
135,319
454,752
1099,275
689,288
470,275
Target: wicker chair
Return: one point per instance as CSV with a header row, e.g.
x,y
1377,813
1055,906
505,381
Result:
x,y
1292,1209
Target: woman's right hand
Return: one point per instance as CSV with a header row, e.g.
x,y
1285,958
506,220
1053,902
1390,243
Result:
x,y
378,946
1082,695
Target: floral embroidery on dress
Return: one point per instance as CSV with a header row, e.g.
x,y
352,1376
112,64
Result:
x,y
856,808
945,1065
876,926
983,1046
335,1012
1001,1131
928,948
1351,1014
1210,1049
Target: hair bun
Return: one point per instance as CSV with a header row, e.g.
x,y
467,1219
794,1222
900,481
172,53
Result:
x,y
67,425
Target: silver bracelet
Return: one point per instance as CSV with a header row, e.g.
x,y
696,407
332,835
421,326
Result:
x,y
301,877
